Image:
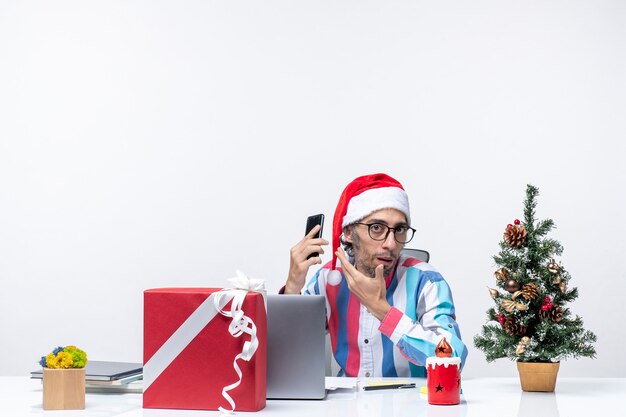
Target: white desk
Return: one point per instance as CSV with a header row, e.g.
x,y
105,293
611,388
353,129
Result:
x,y
482,397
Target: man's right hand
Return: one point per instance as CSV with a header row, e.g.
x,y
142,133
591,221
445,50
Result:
x,y
299,264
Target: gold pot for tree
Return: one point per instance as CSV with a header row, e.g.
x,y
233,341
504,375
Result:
x,y
538,376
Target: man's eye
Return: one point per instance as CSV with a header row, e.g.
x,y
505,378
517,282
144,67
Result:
x,y
401,229
376,228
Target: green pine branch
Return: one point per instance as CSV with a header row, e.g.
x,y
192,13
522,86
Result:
x,y
530,320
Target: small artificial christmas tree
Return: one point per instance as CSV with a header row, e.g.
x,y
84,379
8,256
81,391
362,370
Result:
x,y
532,323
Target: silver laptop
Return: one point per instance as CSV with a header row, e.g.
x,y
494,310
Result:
x,y
296,332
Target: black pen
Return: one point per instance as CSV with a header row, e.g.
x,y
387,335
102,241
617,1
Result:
x,y
388,386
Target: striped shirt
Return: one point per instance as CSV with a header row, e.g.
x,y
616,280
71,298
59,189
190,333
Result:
x,y
422,311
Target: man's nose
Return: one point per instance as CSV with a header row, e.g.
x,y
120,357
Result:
x,y
390,240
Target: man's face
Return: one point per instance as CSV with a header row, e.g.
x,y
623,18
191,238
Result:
x,y
369,253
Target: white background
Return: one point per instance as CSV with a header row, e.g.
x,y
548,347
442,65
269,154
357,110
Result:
x,y
168,143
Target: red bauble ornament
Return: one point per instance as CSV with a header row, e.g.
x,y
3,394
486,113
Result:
x,y
501,319
516,221
547,300
545,307
509,225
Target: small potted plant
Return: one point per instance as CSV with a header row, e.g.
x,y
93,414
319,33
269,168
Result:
x,y
530,322
64,378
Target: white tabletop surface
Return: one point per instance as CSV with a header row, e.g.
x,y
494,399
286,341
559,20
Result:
x,y
482,397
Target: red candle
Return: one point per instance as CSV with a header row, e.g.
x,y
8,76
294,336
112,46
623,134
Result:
x,y
443,376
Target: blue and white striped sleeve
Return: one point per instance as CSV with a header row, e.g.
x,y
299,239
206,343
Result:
x,y
313,285
435,318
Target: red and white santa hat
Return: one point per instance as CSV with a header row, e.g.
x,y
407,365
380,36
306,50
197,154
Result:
x,y
363,196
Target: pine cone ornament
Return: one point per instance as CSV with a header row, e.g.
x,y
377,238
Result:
x,y
529,291
515,235
512,327
554,313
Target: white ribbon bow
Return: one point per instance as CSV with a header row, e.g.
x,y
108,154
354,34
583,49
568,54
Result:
x,y
242,282
239,325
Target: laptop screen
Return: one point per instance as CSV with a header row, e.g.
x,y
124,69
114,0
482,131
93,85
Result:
x,y
296,343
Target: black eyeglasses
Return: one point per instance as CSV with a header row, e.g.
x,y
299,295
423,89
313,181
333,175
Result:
x,y
379,231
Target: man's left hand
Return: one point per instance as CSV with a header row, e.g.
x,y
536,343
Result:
x,y
371,292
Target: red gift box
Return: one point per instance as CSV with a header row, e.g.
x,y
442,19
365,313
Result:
x,y
189,352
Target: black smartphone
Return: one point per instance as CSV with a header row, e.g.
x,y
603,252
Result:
x,y
311,222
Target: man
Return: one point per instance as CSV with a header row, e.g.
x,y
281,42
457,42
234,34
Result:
x,y
386,311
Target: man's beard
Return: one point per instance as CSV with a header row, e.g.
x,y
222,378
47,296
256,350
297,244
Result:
x,y
360,265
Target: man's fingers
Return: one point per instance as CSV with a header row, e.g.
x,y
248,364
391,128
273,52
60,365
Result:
x,y
319,241
345,264
313,231
313,261
348,269
378,272
342,260
308,245
312,249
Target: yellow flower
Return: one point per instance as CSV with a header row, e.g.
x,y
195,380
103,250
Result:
x,y
65,360
62,360
51,360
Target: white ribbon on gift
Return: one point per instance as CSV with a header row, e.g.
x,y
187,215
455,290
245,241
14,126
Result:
x,y
198,320
239,325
